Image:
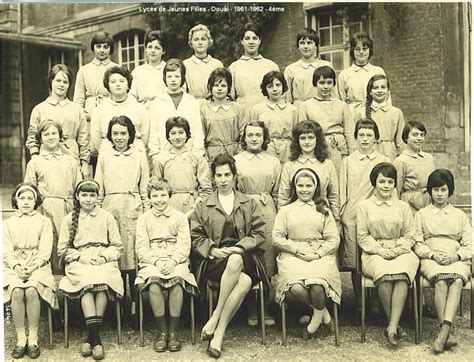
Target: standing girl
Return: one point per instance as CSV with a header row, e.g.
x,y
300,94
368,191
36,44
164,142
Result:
x,y
332,114
163,247
385,233
90,246
258,176
444,245
222,119
27,277
299,75
248,71
309,149
307,236
89,88
148,78
352,81
175,102
187,173
200,65
122,174
71,117
389,119
56,176
278,115
413,167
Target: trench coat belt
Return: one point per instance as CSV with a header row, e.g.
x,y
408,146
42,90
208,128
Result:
x,y
161,243
65,199
134,194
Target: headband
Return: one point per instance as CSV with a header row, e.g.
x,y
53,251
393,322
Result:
x,y
26,187
307,173
87,182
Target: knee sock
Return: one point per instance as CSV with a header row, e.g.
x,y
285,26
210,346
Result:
x,y
161,324
315,320
174,323
92,324
33,336
21,336
326,316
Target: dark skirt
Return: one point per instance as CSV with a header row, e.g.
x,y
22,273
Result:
x,y
215,268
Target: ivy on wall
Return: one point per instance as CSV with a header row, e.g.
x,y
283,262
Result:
x,y
224,25
396,17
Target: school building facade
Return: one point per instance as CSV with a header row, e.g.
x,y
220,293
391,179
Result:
x,y
423,47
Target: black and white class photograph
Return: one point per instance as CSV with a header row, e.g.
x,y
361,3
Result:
x,y
236,180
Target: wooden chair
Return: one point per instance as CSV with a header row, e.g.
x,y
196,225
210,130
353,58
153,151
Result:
x,y
66,322
50,325
140,312
257,288
283,323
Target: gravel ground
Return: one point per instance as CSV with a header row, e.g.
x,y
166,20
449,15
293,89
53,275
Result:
x,y
243,343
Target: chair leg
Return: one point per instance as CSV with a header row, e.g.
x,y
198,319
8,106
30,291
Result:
x,y
262,311
472,303
336,324
50,327
357,306
66,322
420,307
193,322
140,314
362,310
283,322
460,305
415,310
210,301
119,322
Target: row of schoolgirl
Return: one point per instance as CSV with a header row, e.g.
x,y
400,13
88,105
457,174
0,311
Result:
x,y
253,169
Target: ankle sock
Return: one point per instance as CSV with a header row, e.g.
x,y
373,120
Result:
x,y
21,336
33,336
315,321
326,316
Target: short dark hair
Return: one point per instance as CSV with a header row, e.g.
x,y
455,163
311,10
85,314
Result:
x,y
367,123
217,75
122,121
55,69
44,124
438,178
326,72
158,184
384,168
180,122
117,69
320,152
102,37
155,35
172,65
266,134
307,33
39,198
365,39
268,79
409,126
223,159
250,27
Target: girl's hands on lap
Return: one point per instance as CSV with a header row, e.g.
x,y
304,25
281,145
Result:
x,y
87,260
219,253
22,272
307,256
98,260
167,267
387,253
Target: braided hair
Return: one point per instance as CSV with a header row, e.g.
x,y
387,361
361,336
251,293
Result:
x,y
370,85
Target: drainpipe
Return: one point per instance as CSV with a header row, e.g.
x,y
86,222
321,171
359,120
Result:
x,y
20,87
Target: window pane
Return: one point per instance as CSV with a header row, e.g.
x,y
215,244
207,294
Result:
x,y
323,21
130,39
337,60
123,41
325,56
336,35
124,55
131,55
324,37
336,20
354,28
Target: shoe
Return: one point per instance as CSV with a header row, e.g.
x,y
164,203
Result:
x,y
86,350
429,312
401,333
18,351
252,321
306,335
213,352
304,320
440,341
174,344
98,352
450,344
391,338
205,336
269,321
161,344
33,351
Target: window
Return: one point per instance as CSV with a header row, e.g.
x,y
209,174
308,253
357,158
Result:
x,y
130,49
56,56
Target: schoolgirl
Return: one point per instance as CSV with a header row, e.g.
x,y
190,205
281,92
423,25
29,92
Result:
x,y
175,102
279,116
306,235
389,119
413,167
27,277
89,247
331,113
88,87
258,176
299,75
200,65
148,81
187,173
163,246
385,233
309,150
56,176
444,245
352,81
122,174
248,71
71,117
223,120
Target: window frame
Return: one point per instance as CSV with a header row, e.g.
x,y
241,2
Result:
x,y
138,34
